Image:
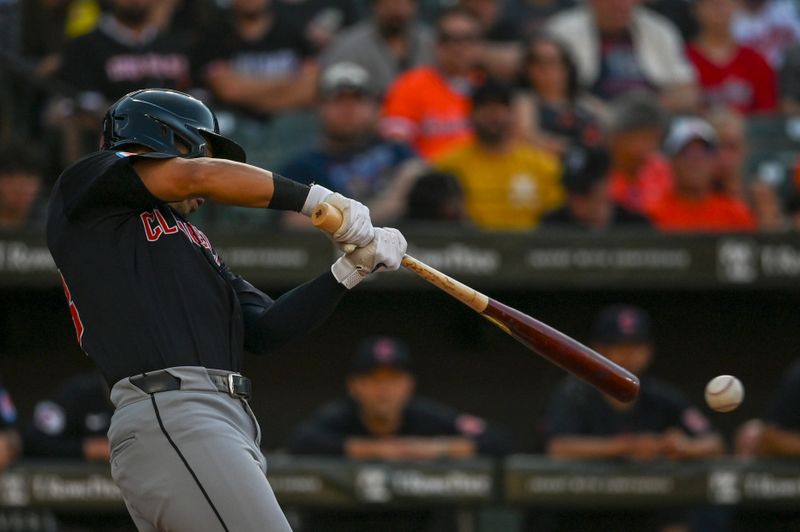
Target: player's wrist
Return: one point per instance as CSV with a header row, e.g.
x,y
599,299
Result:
x,y
316,195
287,195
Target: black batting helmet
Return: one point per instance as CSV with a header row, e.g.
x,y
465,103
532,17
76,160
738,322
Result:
x,y
161,119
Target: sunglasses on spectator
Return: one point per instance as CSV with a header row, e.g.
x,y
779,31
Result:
x,y
458,38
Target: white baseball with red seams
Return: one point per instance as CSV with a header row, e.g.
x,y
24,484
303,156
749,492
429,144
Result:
x,y
724,393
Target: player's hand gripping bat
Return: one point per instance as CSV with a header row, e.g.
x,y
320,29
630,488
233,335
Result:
x,y
542,339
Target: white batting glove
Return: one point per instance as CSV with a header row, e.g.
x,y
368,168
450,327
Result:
x,y
356,228
385,252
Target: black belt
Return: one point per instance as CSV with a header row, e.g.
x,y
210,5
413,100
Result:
x,y
161,381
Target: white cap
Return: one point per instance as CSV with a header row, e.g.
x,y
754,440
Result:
x,y
685,130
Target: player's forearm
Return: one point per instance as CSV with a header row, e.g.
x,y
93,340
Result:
x,y
779,442
293,315
586,447
220,180
705,446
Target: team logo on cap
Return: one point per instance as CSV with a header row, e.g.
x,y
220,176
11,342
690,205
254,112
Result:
x,y
384,350
627,321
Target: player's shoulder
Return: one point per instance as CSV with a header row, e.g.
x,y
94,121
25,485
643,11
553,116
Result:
x,y
95,161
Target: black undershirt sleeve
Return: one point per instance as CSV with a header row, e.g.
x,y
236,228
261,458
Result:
x,y
292,315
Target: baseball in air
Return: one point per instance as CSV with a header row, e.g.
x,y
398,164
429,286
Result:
x,y
724,393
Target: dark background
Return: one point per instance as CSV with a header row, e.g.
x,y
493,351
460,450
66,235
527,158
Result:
x,y
460,358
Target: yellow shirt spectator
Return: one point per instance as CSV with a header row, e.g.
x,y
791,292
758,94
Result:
x,y
507,189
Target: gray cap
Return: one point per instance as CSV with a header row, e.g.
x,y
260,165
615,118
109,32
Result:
x,y
345,76
685,130
636,110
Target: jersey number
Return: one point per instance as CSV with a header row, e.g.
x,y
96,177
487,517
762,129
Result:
x,y
73,311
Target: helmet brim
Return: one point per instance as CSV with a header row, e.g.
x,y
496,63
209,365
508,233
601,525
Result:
x,y
225,148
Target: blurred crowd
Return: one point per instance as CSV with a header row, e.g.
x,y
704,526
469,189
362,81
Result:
x,y
668,115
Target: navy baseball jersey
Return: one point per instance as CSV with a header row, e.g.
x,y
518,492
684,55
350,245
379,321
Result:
x,y
326,431
575,408
145,288
78,409
784,410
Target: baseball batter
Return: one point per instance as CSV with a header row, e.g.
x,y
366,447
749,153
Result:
x,y
165,320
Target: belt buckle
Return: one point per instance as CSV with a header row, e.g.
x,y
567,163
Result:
x,y
231,389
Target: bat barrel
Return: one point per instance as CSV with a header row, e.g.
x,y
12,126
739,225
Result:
x,y
569,354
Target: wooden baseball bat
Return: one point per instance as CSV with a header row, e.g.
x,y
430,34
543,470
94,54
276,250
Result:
x,y
540,338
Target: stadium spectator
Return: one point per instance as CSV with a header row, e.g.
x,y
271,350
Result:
x,y
532,15
20,188
258,63
582,423
769,26
382,419
679,12
73,422
640,176
386,44
428,106
554,112
191,20
507,184
124,53
320,20
10,441
46,26
436,197
589,205
730,75
692,204
729,180
502,53
789,81
637,49
351,158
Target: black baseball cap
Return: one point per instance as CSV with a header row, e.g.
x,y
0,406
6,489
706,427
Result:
x,y
584,166
622,324
380,352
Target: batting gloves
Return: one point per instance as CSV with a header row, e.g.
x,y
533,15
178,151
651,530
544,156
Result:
x,y
384,252
356,228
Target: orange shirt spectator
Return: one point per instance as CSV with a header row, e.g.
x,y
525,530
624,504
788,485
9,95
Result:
x,y
693,205
640,192
712,213
639,175
422,108
429,106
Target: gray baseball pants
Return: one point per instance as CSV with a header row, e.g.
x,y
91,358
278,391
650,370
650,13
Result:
x,y
189,460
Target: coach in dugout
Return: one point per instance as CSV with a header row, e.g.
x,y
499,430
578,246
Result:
x,y
381,419
775,436
582,423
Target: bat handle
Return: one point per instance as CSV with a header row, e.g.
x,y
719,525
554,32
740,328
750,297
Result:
x,y
329,219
